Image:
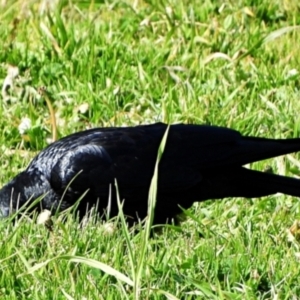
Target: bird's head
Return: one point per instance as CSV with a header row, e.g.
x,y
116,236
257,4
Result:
x,y
7,201
24,188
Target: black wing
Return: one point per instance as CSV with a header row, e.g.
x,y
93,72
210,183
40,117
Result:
x,y
99,156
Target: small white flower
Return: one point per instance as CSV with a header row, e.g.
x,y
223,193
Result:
x,y
109,228
148,112
24,125
291,73
169,11
83,108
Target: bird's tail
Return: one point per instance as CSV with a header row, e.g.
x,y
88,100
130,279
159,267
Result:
x,y
255,149
242,182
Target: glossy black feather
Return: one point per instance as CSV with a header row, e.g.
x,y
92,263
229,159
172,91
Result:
x,y
199,163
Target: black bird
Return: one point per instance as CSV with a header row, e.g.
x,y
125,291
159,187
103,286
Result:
x,y
199,163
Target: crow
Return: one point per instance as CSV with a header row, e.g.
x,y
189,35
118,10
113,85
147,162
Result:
x,y
199,162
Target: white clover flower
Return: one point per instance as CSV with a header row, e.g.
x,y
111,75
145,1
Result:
x,y
24,125
292,72
169,11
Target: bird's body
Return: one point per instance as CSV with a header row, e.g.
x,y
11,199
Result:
x,y
199,163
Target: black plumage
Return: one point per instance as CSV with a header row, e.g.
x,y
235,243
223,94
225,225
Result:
x,y
199,163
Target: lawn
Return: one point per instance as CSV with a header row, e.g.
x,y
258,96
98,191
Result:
x,y
117,63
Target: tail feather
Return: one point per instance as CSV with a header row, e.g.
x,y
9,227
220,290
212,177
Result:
x,y
254,149
247,183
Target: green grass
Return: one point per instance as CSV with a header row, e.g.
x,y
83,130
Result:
x,y
228,63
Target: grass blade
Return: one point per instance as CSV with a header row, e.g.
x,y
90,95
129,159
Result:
x,y
83,260
149,221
